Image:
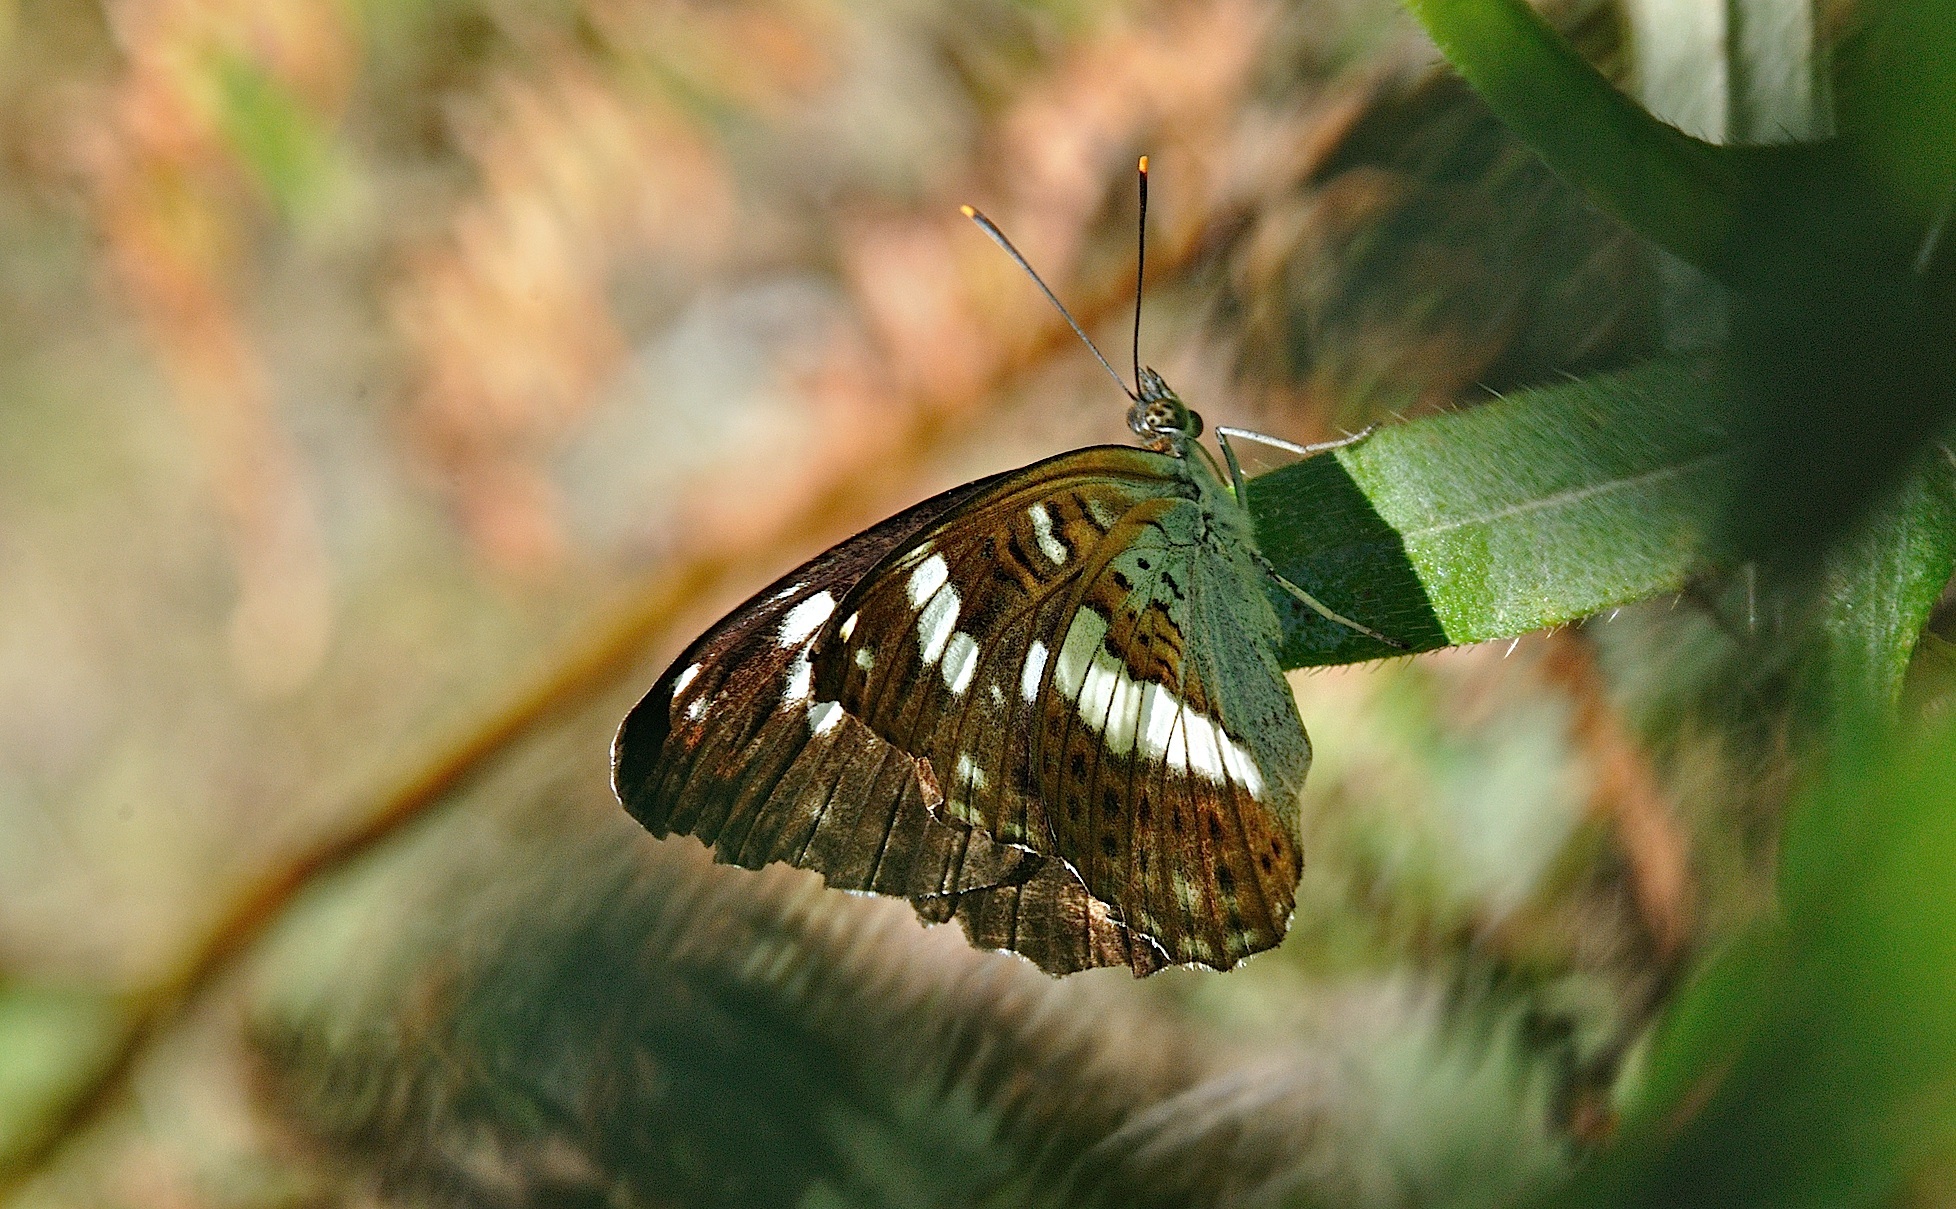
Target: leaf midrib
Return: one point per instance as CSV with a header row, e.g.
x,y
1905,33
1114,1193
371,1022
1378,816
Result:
x,y
1564,498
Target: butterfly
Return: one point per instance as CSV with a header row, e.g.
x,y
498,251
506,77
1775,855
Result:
x,y
1046,704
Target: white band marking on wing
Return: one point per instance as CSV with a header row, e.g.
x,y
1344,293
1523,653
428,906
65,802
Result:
x,y
805,618
1042,529
934,626
1123,714
1159,709
960,661
927,579
1242,769
1077,651
825,717
1097,690
1035,670
801,681
1205,758
1176,754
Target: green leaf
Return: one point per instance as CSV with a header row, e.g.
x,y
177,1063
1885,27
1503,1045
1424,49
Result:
x,y
1527,512
1678,191
1810,1063
1842,321
1878,590
1896,89
1817,1064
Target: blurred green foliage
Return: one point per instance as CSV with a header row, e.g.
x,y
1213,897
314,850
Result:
x,y
1810,1063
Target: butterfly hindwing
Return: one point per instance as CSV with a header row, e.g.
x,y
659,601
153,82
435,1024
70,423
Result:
x,y
1176,755
732,745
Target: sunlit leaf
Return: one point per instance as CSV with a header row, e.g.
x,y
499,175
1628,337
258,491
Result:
x,y
1523,513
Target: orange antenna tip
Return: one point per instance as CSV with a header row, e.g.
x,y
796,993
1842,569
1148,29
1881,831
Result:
x,y
1144,165
967,211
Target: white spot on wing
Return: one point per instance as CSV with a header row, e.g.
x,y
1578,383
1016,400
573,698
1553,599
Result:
x,y
927,579
1159,709
1205,758
1123,713
1242,769
684,678
805,618
865,658
1035,670
848,626
825,717
1077,651
1042,529
1097,690
960,661
801,681
1176,755
696,709
939,618
968,773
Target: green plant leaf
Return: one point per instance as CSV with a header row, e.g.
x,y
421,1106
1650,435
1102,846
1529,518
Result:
x,y
1896,88
1878,590
1814,1066
1680,192
1809,1063
1524,513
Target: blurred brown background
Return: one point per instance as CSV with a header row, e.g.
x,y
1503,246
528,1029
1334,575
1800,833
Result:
x,y
357,357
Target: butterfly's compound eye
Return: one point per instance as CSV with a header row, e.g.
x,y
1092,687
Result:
x,y
1159,415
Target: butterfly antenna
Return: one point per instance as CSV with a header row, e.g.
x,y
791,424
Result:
x,y
1140,265
998,237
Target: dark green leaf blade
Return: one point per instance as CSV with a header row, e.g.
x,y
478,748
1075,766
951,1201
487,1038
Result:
x,y
1527,512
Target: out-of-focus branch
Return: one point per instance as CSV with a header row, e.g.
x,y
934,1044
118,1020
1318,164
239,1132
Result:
x,y
1628,796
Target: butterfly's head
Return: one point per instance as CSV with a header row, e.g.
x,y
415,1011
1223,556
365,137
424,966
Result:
x,y
1160,418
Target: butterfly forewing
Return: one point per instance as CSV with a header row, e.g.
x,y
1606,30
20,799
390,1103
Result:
x,y
733,745
943,648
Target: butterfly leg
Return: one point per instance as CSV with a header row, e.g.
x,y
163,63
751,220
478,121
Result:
x,y
1325,611
1236,483
1224,432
